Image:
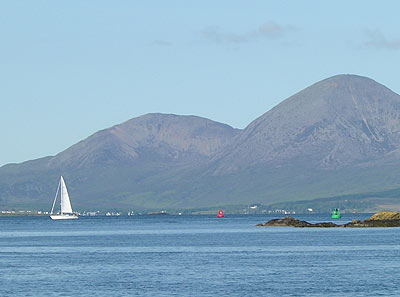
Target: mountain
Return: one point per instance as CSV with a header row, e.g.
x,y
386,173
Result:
x,y
160,138
338,122
127,165
338,137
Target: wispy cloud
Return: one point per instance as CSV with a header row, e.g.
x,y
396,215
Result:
x,y
269,30
376,39
161,43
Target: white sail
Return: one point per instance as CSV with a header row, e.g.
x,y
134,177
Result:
x,y
66,209
65,202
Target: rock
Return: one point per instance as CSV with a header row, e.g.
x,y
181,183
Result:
x,y
292,222
385,215
374,223
286,222
324,225
380,219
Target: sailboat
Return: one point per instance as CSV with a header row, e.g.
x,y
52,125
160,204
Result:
x,y
66,212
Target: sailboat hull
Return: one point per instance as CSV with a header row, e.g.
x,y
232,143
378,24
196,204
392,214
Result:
x,y
63,217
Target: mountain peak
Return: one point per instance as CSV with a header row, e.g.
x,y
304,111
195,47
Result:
x,y
338,121
157,136
346,78
349,81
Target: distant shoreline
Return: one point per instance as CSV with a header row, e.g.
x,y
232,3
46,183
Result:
x,y
128,214
23,215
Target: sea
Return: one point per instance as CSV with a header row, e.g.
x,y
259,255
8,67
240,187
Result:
x,y
168,255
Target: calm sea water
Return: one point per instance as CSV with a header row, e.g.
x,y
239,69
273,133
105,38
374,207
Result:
x,y
195,256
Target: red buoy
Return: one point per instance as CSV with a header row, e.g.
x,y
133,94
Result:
x,y
220,214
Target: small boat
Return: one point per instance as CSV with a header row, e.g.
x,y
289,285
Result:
x,y
66,212
336,214
220,214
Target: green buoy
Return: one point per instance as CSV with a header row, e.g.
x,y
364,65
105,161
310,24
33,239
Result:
x,y
336,214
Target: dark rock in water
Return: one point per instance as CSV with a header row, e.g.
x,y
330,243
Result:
x,y
381,219
292,222
324,225
287,222
374,223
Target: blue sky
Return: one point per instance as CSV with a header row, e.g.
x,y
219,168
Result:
x,y
70,68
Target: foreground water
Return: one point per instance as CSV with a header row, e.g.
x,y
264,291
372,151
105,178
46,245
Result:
x,y
195,256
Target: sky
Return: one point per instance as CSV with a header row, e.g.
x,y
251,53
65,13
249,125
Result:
x,y
71,68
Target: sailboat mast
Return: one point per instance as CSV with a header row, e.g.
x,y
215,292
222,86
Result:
x,y
61,194
55,198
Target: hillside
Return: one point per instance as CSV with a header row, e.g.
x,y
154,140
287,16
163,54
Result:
x,y
338,122
144,158
340,136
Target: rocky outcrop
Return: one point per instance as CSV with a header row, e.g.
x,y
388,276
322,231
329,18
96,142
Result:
x,y
380,219
372,223
385,216
292,222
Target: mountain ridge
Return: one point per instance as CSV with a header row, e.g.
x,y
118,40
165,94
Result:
x,y
124,141
338,136
321,118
